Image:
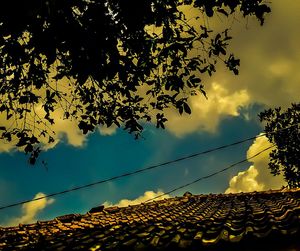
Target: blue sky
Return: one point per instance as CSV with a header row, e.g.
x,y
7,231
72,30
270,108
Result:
x,y
106,156
269,76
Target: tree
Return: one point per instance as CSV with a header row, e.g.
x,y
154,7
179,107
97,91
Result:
x,y
285,158
120,62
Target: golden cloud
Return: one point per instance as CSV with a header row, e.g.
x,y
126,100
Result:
x,y
147,195
107,131
258,176
270,57
31,210
269,75
207,114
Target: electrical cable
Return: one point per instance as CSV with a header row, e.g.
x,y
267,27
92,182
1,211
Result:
x,y
209,176
144,169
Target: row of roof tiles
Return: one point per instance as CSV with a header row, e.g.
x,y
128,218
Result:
x,y
190,222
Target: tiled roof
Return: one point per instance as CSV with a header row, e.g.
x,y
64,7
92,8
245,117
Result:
x,y
268,220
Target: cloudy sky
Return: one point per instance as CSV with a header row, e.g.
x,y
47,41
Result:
x,y
269,77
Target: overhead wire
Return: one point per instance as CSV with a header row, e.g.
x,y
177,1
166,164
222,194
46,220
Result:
x,y
209,176
143,169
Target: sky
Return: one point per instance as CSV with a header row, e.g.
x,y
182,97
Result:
x,y
269,77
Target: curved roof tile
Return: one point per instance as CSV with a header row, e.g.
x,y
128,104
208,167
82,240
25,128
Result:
x,y
247,221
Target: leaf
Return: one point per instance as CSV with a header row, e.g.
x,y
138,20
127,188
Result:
x,y
28,148
22,141
67,115
209,11
187,109
233,64
33,140
107,59
222,50
8,116
85,127
222,11
203,92
180,109
50,140
7,136
23,99
195,80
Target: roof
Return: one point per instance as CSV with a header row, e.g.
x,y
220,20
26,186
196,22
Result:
x,y
191,222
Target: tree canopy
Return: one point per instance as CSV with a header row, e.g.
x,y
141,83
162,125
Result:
x,y
113,62
285,158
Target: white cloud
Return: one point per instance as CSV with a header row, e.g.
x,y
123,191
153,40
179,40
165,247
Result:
x,y
61,128
245,182
108,131
31,210
6,146
147,195
68,128
207,114
258,176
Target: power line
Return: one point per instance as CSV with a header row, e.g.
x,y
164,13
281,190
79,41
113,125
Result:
x,y
210,175
144,169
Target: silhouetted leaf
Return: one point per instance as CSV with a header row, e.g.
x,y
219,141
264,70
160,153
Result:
x,y
186,108
222,11
284,159
100,63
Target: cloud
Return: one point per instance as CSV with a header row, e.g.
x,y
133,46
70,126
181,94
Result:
x,y
207,114
245,182
147,195
62,128
5,146
258,176
65,128
31,210
269,73
108,131
270,57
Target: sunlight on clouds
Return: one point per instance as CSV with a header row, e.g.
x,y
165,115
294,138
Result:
x,y
4,145
258,176
281,67
269,75
270,57
61,128
147,195
68,128
245,182
31,210
207,114
107,131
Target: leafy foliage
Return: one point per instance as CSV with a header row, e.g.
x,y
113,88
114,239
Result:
x,y
118,62
285,157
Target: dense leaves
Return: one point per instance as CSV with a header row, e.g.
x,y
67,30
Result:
x,y
285,158
114,62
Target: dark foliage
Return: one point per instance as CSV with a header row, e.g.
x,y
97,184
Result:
x,y
285,158
100,63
